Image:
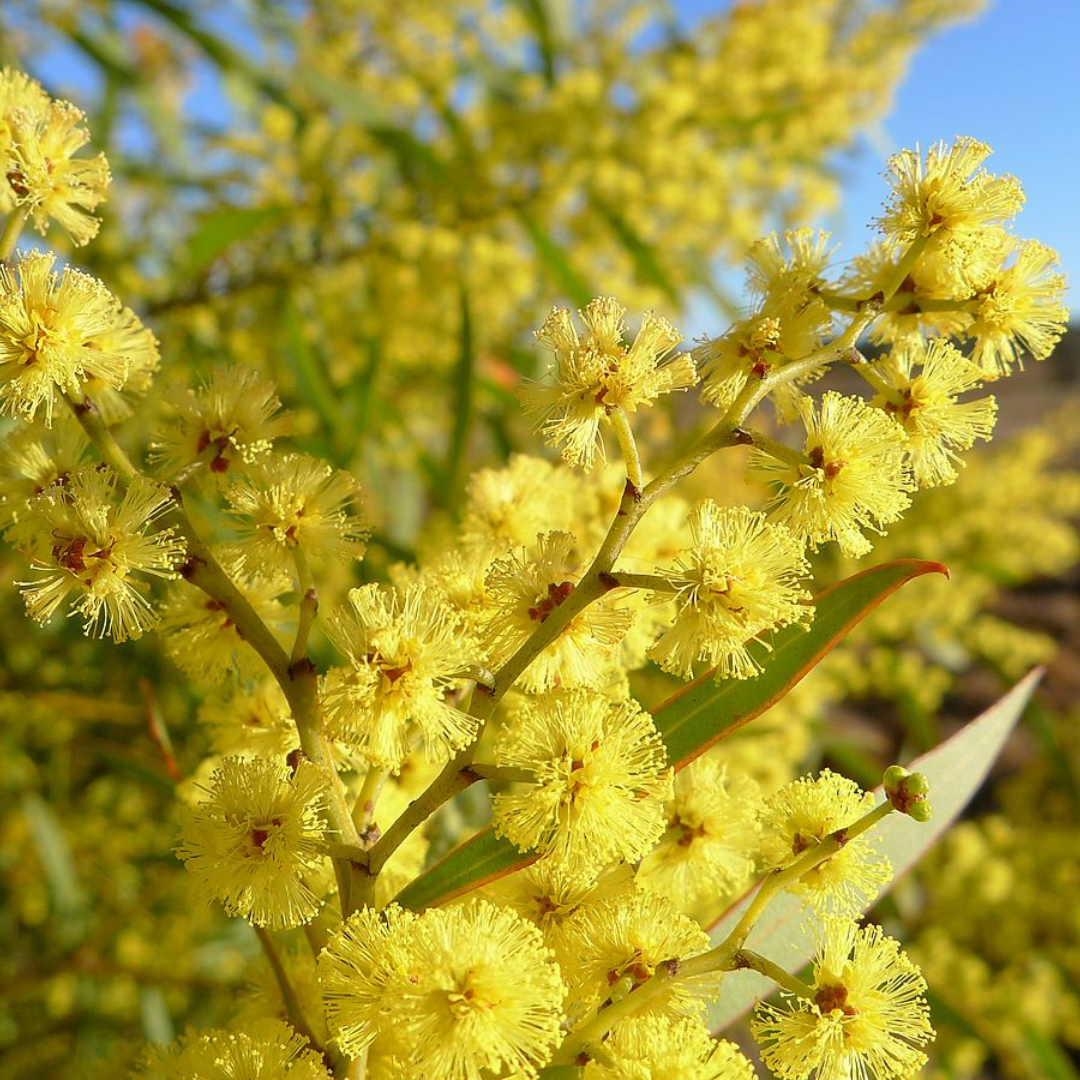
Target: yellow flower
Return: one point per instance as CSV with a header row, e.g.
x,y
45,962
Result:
x,y
644,1047
1020,311
709,848
292,503
46,177
736,582
34,458
230,420
926,405
799,816
620,943
595,376
600,781
17,92
855,477
127,337
255,837
462,992
867,1017
86,538
48,326
523,593
265,1050
948,192
403,654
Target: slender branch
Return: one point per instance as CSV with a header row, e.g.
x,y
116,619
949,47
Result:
x,y
363,812
288,995
507,773
309,605
652,582
787,454
624,433
746,959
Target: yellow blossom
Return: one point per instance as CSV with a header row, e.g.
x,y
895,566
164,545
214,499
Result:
x,y
799,816
89,540
45,176
49,322
867,1017
737,581
255,838
595,376
600,781
854,479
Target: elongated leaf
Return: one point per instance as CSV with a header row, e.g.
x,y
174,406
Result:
x,y
481,859
956,770
702,713
646,263
556,260
705,711
220,229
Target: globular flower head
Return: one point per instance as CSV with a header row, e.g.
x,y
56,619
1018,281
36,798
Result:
x,y
229,421
525,591
709,849
255,837
93,544
867,1018
620,943
293,503
51,325
18,93
946,192
1019,311
802,814
403,652
46,177
737,581
33,458
855,477
644,1047
926,404
127,337
265,1049
600,781
597,374
460,993
250,720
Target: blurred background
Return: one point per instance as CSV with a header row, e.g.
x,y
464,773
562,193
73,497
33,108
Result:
x,y
374,203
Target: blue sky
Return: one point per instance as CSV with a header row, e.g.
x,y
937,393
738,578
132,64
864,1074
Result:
x,y
1008,78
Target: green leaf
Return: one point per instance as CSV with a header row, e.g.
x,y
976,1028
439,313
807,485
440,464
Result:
x,y
956,770
646,264
705,711
311,380
694,719
569,280
481,859
69,899
218,230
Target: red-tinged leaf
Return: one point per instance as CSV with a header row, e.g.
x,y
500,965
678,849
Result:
x,y
482,859
956,770
705,711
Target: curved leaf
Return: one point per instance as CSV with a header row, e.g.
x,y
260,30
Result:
x,y
956,770
705,711
699,715
481,859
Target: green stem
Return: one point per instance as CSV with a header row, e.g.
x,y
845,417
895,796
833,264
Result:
x,y
787,454
309,605
651,582
505,773
746,959
10,236
363,812
288,995
623,432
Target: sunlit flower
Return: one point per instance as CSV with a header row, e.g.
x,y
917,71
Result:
x,y
738,580
255,837
601,373
600,781
644,1047
49,322
867,1017
802,814
94,544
